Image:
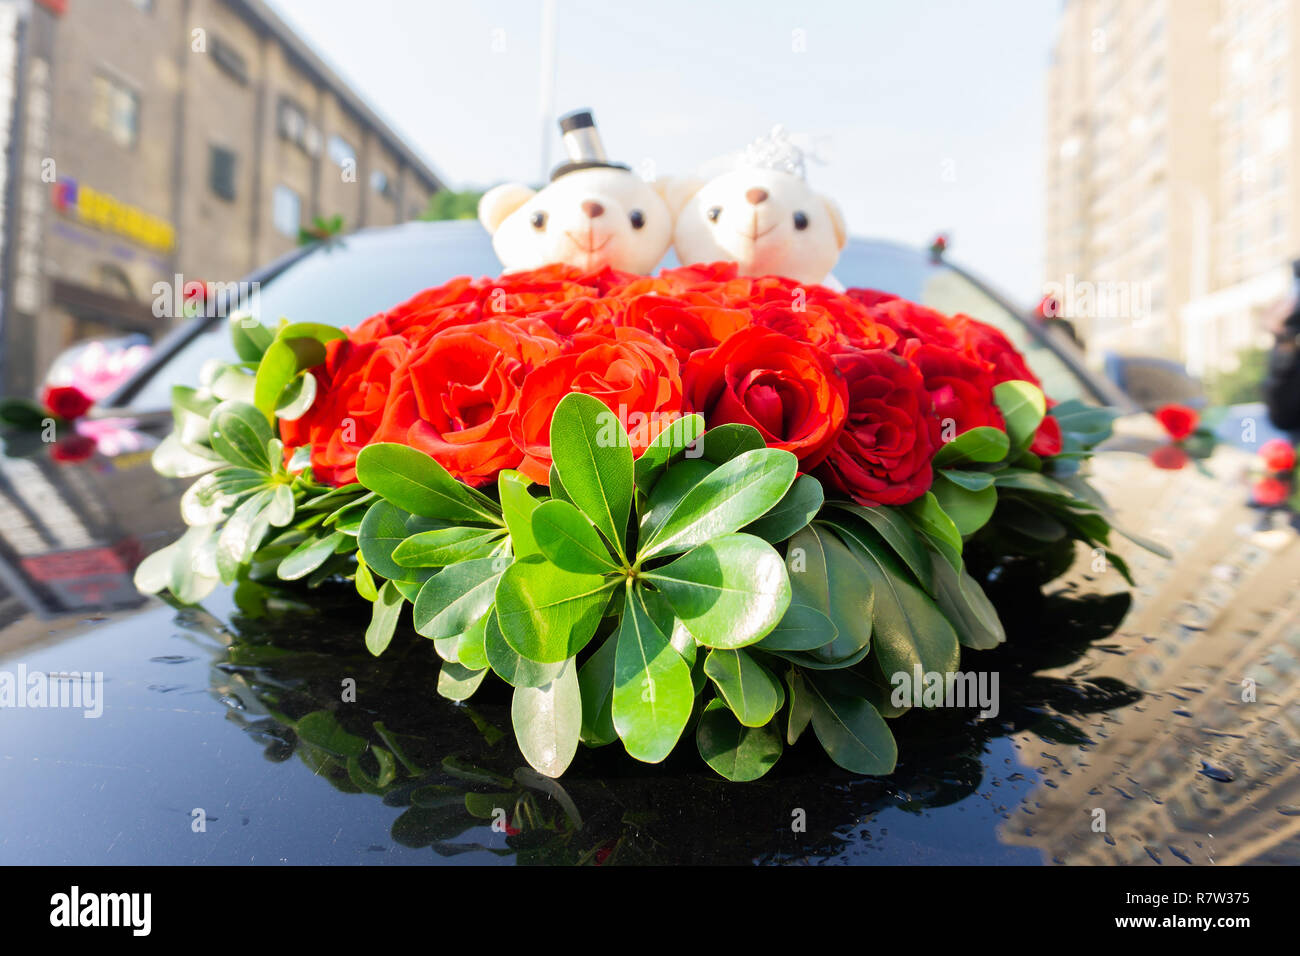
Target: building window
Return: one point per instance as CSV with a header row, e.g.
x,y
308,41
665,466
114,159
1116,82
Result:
x,y
221,171
381,184
292,121
115,109
230,59
341,152
286,211
144,6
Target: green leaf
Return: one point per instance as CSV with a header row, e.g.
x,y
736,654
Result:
x,y
653,694
800,711
802,628
966,606
471,649
933,522
736,752
852,732
279,512
592,454
548,614
276,370
720,445
749,689
242,534
507,663
670,489
673,440
982,445
458,682
825,577
517,507
968,510
382,530
383,618
239,434
308,556
729,592
250,337
726,500
970,480
892,525
909,629
364,582
414,482
297,397
556,487
567,539
798,506
1023,407
456,597
596,683
444,546
548,720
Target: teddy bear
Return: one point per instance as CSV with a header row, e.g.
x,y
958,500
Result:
x,y
762,215
592,214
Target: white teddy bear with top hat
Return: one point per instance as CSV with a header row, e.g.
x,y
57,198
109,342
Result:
x,y
592,214
761,215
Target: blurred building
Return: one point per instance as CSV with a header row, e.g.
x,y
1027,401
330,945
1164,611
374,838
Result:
x,y
1172,202
153,144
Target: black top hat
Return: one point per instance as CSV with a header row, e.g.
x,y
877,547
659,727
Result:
x,y
582,143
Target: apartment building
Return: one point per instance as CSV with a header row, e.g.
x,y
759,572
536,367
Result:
x,y
149,139
1172,207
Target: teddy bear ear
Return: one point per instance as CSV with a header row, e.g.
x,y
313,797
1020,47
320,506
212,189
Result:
x,y
499,202
837,220
677,191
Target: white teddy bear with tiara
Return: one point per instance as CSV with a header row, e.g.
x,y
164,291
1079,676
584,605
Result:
x,y
761,215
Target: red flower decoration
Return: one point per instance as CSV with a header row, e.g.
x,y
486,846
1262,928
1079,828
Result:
x,y
66,401
1178,420
1277,454
72,448
1270,492
1169,457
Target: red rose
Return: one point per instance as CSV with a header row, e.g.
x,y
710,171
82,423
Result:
x,y
351,392
72,448
1270,492
1178,420
456,397
910,321
961,387
789,391
1047,440
1277,454
882,457
66,401
686,323
989,344
636,376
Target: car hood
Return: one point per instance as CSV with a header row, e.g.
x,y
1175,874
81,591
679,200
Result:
x,y
1145,725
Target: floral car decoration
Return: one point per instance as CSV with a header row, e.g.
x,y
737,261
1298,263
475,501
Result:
x,y
689,503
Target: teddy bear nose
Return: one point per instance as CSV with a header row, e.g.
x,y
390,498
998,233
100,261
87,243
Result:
x,y
592,208
756,196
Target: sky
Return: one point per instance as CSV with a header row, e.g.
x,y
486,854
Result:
x,y
929,114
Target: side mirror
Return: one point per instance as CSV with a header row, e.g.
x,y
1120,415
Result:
x,y
1152,382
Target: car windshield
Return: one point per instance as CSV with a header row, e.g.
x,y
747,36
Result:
x,y
345,281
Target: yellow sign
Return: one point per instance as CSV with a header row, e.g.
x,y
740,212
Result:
x,y
112,215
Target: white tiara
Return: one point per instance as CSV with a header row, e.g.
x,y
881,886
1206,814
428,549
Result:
x,y
776,151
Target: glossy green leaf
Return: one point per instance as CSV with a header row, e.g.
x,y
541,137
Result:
x,y
679,478
801,628
720,445
548,614
966,606
308,556
674,439
566,538
749,689
457,596
933,522
414,482
517,507
509,665
458,682
275,371
796,508
239,434
297,397
596,683
726,500
1023,407
969,510
825,577
242,534
471,649
592,454
852,732
383,618
250,337
444,546
799,713
548,721
892,525
729,592
984,444
382,530
970,480
735,751
653,694
364,581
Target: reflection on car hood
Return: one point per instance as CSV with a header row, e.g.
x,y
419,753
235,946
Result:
x,y
1157,726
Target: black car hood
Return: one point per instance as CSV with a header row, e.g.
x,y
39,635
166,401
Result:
x,y
1155,726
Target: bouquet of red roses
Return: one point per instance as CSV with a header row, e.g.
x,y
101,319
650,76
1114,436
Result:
x,y
647,503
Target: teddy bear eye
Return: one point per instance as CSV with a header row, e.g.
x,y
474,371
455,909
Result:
x,y
538,219
714,213
800,220
637,217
